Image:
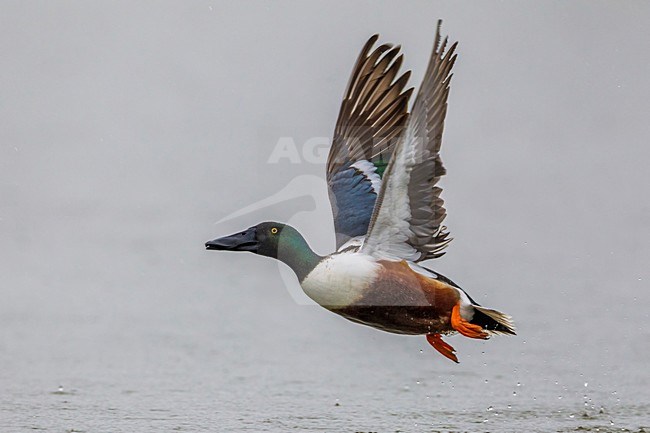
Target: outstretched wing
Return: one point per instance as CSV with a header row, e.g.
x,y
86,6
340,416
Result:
x,y
372,117
407,219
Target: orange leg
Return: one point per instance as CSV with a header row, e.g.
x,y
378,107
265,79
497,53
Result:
x,y
464,327
445,349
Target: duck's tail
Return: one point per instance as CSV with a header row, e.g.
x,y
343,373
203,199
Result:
x,y
493,321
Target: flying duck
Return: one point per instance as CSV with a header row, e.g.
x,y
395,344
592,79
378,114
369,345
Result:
x,y
382,172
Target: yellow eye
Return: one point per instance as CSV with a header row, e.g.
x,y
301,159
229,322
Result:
x,y
274,230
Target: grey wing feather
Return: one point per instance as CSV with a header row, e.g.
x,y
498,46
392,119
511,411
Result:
x,y
371,118
427,124
411,227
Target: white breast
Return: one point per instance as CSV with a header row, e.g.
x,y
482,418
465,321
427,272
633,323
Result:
x,y
340,279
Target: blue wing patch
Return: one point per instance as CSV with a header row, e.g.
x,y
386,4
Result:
x,y
353,197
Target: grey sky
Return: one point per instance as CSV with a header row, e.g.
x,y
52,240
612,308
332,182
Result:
x,y
128,128
169,111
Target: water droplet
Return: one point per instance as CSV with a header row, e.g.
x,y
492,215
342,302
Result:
x,y
572,416
486,381
60,388
417,382
509,406
490,409
518,383
559,397
514,393
586,384
485,420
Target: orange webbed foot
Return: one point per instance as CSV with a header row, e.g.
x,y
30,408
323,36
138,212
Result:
x,y
464,327
445,349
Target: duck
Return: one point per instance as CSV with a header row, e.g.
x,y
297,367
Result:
x,y
382,173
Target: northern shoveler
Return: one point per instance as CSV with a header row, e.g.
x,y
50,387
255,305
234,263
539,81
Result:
x,y
382,172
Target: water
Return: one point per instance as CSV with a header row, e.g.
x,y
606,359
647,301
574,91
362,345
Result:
x,y
174,338
144,374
